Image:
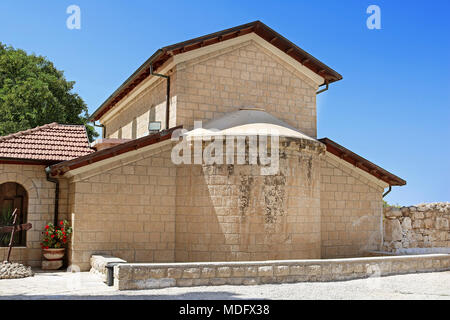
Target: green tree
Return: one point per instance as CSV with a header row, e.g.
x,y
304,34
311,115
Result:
x,y
33,93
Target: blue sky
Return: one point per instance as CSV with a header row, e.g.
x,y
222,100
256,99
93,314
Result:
x,y
392,107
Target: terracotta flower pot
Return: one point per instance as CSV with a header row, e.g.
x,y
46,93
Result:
x,y
53,254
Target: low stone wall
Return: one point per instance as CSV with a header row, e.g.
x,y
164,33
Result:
x,y
99,262
160,275
417,227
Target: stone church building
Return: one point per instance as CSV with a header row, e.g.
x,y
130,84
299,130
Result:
x,y
125,196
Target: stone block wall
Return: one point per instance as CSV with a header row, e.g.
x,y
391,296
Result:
x,y
233,212
425,226
206,87
149,105
41,198
244,75
351,208
125,209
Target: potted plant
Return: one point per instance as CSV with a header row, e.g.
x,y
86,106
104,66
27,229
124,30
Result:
x,y
54,244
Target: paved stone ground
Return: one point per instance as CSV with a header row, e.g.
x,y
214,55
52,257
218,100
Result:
x,y
62,285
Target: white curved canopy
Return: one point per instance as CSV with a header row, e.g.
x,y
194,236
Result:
x,y
247,122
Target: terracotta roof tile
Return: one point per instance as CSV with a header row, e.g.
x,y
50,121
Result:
x,y
50,142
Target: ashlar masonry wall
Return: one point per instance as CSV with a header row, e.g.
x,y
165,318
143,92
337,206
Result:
x,y
41,199
351,205
125,209
244,75
212,84
233,212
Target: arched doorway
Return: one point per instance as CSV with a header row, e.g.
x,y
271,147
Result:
x,y
12,196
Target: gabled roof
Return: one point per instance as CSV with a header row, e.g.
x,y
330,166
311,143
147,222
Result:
x,y
257,27
49,143
362,163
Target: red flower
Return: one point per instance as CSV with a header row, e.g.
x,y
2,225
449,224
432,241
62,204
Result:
x,y
61,223
46,227
62,229
53,236
64,233
46,232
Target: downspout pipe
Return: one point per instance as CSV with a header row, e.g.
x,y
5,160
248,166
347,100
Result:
x,y
103,129
389,190
167,93
56,182
382,218
324,89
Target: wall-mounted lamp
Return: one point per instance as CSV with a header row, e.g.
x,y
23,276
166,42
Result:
x,y
154,127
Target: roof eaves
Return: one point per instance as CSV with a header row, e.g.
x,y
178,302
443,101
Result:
x,y
63,167
362,163
97,113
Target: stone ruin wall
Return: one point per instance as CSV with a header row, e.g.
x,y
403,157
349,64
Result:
x,y
421,228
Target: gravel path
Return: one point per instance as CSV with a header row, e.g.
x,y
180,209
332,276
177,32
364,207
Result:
x,y
62,285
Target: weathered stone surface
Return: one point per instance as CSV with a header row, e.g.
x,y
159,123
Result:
x,y
191,273
423,226
418,215
157,273
218,281
15,270
442,223
238,272
428,223
313,270
392,230
405,211
406,224
208,272
297,270
266,271
185,282
251,271
174,273
250,281
51,265
281,270
223,272
393,213
270,272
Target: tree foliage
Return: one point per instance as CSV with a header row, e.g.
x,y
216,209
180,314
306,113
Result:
x,y
33,93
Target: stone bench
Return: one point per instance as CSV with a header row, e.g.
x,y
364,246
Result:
x,y
99,263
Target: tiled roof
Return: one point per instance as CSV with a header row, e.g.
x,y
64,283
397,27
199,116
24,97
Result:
x,y
50,142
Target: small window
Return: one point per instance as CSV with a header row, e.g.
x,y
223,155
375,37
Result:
x,y
13,196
